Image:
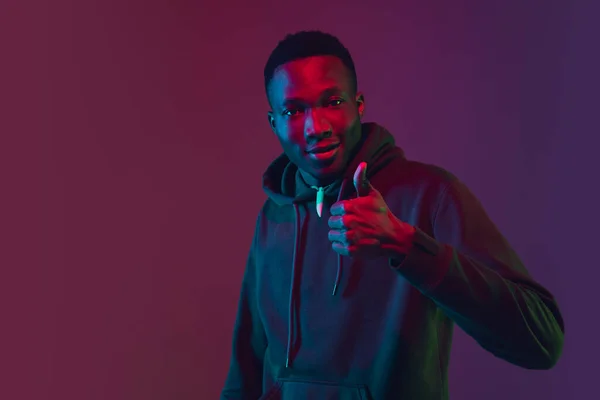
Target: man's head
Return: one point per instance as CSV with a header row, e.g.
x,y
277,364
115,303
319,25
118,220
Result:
x,y
316,109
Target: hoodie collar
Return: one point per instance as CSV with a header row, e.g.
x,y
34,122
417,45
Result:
x,y
283,183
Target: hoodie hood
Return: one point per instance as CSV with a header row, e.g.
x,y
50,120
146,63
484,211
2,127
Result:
x,y
283,183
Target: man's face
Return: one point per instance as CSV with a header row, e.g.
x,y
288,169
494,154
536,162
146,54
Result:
x,y
316,115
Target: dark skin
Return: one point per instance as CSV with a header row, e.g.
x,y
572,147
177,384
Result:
x,y
365,227
314,103
315,106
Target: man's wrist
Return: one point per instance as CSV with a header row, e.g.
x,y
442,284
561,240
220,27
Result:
x,y
404,243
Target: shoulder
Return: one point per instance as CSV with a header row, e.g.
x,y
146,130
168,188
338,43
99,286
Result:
x,y
446,193
417,187
409,173
431,172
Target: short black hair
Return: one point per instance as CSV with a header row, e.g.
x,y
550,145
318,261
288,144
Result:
x,y
307,44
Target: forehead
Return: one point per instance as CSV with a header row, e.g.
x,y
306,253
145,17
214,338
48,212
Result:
x,y
308,77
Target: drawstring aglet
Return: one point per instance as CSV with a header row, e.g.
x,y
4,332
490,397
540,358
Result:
x,y
320,200
334,289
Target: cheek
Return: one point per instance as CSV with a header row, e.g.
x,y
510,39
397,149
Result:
x,y
346,121
291,133
292,143
353,131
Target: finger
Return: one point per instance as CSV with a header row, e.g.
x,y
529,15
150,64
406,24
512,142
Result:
x,y
352,206
336,222
361,183
343,236
344,222
367,244
341,248
339,208
336,235
360,176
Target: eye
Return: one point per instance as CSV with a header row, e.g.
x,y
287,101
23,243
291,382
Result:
x,y
335,102
290,112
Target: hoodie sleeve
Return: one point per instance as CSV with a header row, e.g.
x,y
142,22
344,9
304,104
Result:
x,y
470,271
244,378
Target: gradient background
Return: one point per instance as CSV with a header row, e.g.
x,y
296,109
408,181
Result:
x,y
133,139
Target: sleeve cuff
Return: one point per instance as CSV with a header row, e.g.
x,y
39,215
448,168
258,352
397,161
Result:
x,y
425,264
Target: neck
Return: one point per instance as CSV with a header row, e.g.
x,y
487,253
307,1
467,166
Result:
x,y
312,181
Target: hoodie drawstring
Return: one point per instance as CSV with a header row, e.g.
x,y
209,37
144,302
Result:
x,y
295,267
338,276
297,235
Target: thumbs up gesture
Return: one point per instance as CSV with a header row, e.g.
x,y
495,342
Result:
x,y
365,226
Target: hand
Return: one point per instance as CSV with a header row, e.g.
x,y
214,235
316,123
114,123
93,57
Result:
x,y
365,226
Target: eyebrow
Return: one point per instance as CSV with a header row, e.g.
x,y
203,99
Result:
x,y
333,90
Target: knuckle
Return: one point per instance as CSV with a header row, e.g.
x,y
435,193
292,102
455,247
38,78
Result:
x,y
348,221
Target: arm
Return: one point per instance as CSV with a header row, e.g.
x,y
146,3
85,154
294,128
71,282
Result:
x,y
473,275
244,379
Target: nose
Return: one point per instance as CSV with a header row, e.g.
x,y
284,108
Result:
x,y
316,126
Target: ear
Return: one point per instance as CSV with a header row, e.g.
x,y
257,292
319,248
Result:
x,y
360,104
271,117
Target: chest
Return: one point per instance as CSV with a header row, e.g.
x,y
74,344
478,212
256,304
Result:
x,y
304,243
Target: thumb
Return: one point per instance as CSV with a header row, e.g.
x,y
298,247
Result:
x,y
361,183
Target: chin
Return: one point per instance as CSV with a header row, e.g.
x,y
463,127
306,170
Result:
x,y
323,172
328,173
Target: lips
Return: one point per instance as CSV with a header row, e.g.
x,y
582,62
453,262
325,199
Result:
x,y
323,148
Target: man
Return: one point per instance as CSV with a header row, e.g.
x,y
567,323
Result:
x,y
362,261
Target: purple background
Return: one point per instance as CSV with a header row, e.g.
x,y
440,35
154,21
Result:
x,y
133,139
